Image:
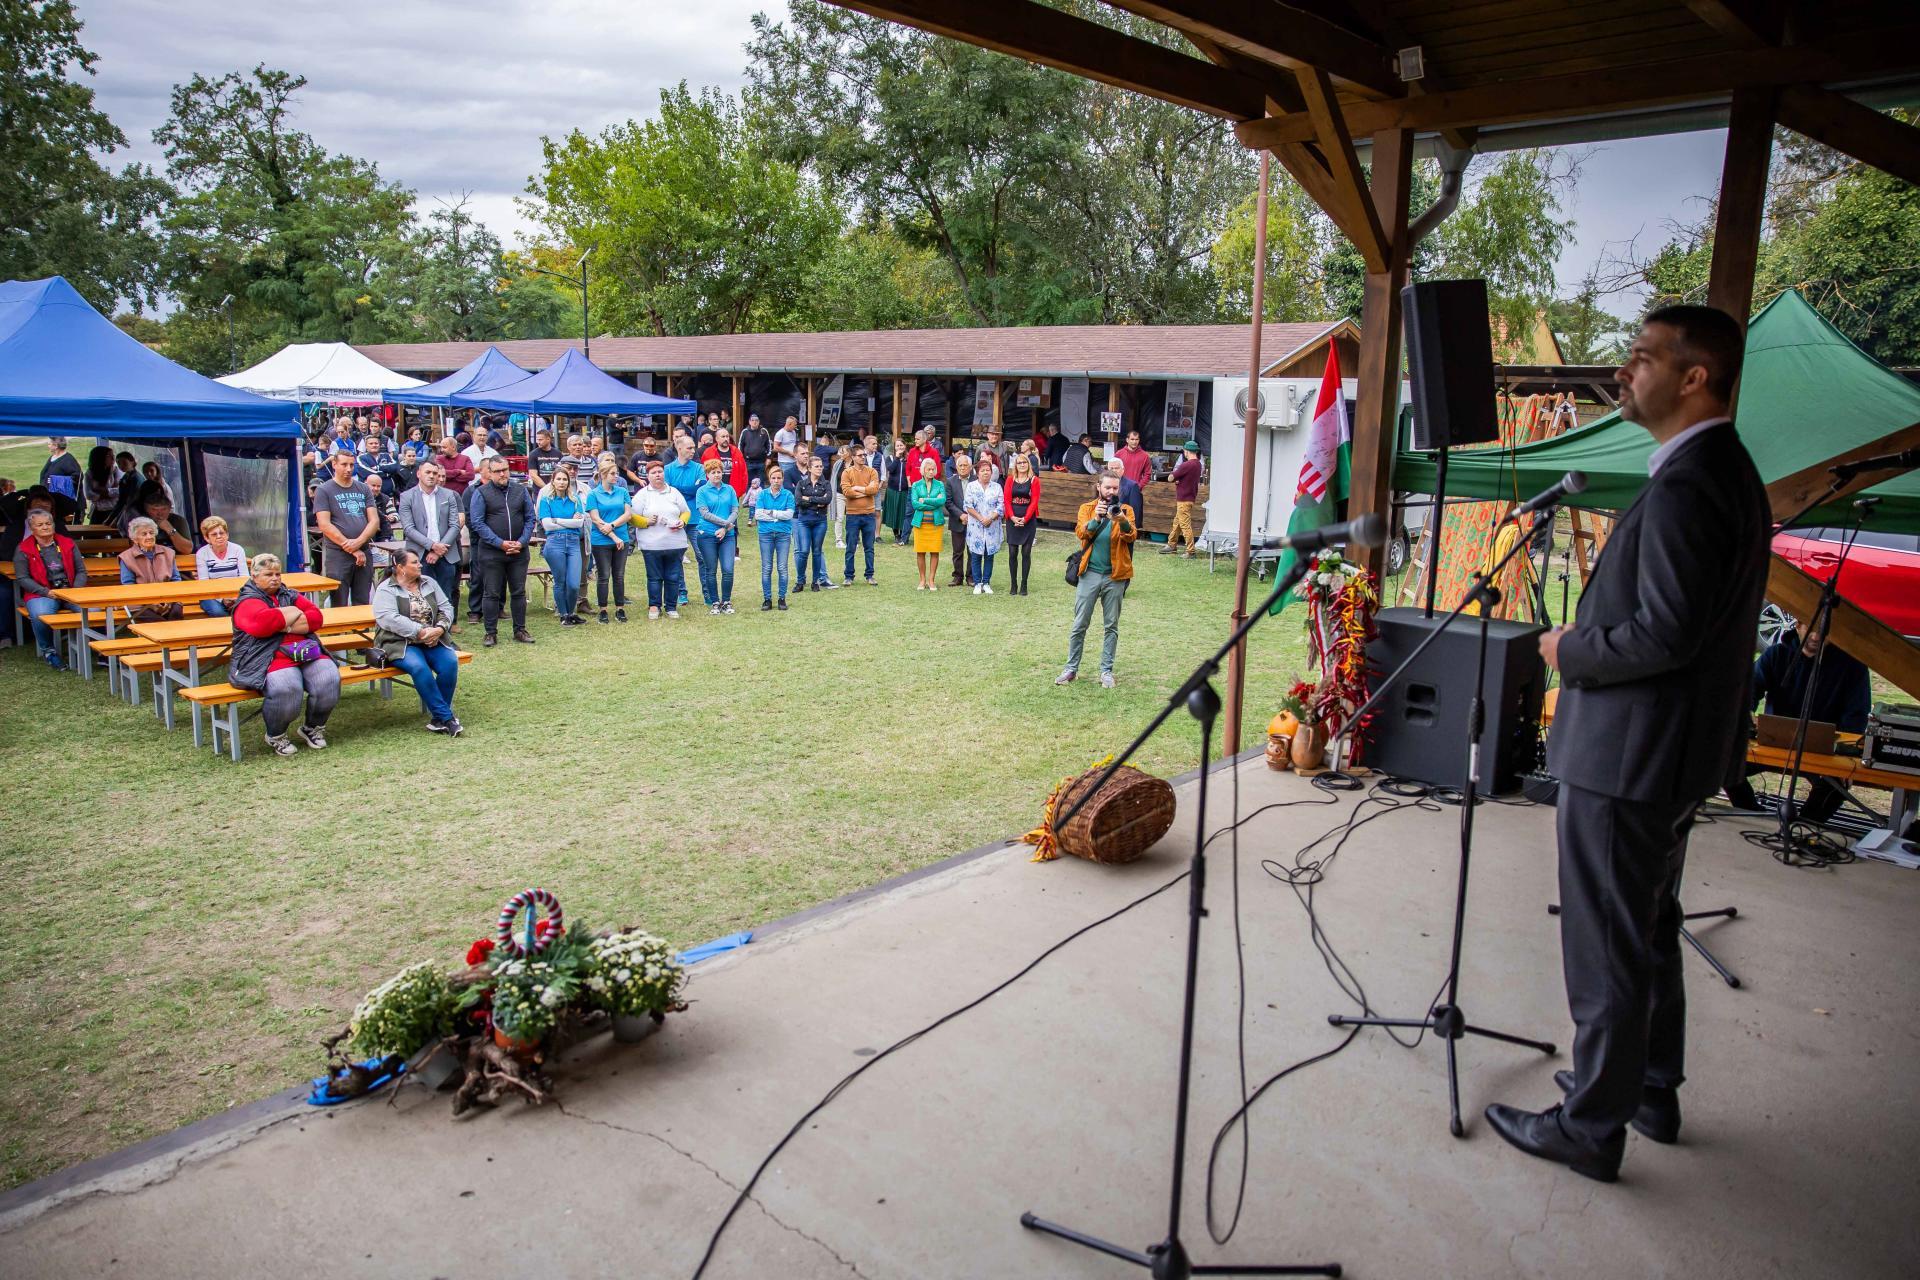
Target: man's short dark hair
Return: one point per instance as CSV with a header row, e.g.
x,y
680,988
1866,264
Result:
x,y
1710,338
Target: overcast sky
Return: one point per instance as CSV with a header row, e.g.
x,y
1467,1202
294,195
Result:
x,y
451,98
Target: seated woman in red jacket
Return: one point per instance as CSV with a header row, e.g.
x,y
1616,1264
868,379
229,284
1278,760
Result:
x,y
275,652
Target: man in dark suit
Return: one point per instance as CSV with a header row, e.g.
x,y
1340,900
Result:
x,y
1655,674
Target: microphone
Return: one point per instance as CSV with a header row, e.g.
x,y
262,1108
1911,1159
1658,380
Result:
x,y
1905,459
1369,530
1570,483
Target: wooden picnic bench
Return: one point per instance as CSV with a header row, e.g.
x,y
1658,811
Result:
x,y
112,601
224,701
180,649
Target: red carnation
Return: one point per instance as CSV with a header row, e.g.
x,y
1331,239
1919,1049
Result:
x,y
479,951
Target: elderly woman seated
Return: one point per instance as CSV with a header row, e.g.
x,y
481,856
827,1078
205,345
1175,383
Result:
x,y
275,652
415,618
43,563
149,560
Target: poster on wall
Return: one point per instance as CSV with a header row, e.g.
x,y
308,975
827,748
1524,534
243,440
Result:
x,y
986,395
830,402
1074,393
1183,407
909,399
1109,422
1033,393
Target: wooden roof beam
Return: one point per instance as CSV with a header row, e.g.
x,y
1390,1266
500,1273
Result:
x,y
1751,24
1282,94
1037,33
1869,136
1681,80
1344,192
1854,629
1279,35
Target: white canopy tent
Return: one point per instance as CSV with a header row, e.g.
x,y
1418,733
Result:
x,y
326,372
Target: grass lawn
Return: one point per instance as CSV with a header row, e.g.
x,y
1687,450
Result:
x,y
185,928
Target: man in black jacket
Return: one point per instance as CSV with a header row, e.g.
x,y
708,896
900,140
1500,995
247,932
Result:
x,y
1655,674
959,471
500,519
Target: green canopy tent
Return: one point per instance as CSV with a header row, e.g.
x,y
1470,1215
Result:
x,y
1807,394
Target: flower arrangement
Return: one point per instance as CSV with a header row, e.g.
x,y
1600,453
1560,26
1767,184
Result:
x,y
501,1015
1341,603
403,1014
1300,702
633,973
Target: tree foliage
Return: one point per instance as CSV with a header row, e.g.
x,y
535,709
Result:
x,y
694,228
459,285
62,211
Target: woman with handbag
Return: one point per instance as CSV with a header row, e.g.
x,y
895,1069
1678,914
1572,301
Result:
x,y
274,652
413,617
929,502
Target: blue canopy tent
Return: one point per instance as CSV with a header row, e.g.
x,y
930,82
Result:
x,y
574,385
67,370
487,371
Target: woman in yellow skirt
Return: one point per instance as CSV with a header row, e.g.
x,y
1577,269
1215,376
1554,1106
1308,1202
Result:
x,y
929,498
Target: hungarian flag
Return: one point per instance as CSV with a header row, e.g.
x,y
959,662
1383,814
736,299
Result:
x,y
1325,470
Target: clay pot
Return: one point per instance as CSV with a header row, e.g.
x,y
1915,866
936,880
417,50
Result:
x,y
1309,747
1279,752
521,1047
631,1028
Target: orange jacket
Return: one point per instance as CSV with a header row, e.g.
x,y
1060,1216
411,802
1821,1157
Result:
x,y
1119,546
856,479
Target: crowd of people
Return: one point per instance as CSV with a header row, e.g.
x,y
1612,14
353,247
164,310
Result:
x,y
400,523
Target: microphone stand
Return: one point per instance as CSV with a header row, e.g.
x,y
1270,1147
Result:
x,y
1446,1019
1169,1260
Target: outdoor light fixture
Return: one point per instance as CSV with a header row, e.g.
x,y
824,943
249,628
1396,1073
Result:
x,y
1413,62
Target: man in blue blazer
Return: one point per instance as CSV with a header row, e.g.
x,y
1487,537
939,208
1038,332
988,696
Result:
x,y
1655,676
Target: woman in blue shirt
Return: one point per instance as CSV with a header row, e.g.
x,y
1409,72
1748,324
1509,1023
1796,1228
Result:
x,y
687,475
561,519
608,507
773,509
717,507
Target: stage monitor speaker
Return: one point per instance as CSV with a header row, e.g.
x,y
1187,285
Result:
x,y
1419,730
1450,362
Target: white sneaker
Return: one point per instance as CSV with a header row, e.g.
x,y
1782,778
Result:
x,y
653,613
986,588
976,588
282,745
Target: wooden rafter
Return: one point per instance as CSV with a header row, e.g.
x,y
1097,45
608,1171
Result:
x,y
1743,203
1282,93
1280,35
1790,494
1680,80
1037,33
1343,193
1750,23
1858,632
1869,136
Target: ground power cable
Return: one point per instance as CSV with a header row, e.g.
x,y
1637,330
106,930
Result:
x,y
746,1190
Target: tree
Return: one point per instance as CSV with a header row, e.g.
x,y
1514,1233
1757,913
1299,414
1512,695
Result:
x,y
695,228
1299,240
63,212
872,279
1586,332
298,242
1844,234
461,286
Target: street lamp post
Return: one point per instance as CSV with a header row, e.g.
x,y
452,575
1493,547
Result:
x,y
233,354
580,283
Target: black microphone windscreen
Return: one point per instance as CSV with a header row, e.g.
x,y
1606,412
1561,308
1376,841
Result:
x,y
1369,530
1575,482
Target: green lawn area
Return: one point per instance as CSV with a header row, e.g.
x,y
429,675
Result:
x,y
184,928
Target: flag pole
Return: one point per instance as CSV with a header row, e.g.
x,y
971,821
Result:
x,y
1249,456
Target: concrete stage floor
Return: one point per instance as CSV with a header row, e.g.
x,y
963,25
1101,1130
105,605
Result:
x,y
1798,1159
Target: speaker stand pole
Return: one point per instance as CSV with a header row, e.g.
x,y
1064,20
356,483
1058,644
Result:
x,y
1446,1019
1169,1260
1436,519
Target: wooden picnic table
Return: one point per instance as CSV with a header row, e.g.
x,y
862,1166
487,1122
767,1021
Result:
x,y
107,567
109,601
192,635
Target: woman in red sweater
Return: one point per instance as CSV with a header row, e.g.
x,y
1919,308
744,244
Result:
x,y
275,652
1023,520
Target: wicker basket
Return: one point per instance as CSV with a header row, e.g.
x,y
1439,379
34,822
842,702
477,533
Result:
x,y
1122,821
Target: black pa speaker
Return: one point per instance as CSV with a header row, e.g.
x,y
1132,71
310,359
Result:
x,y
1450,363
1419,730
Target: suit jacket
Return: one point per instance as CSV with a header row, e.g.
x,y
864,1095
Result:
x,y
1657,668
413,520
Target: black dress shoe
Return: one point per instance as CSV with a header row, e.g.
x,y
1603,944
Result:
x,y
1538,1133
524,637
1658,1118
489,642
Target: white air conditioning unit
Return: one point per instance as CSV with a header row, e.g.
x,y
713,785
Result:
x,y
1278,406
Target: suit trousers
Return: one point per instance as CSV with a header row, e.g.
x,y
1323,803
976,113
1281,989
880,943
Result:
x,y
501,575
1620,865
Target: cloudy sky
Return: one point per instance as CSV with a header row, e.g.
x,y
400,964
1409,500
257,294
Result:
x,y
452,98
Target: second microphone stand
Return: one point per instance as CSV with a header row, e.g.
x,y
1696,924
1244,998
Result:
x,y
1446,1019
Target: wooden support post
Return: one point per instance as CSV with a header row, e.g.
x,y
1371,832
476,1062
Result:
x,y
813,405
1377,415
896,409
1743,202
739,405
996,403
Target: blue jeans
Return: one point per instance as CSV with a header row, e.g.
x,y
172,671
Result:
x,y
716,566
214,608
860,531
980,567
562,554
446,572
774,541
703,565
666,578
434,671
810,537
39,607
